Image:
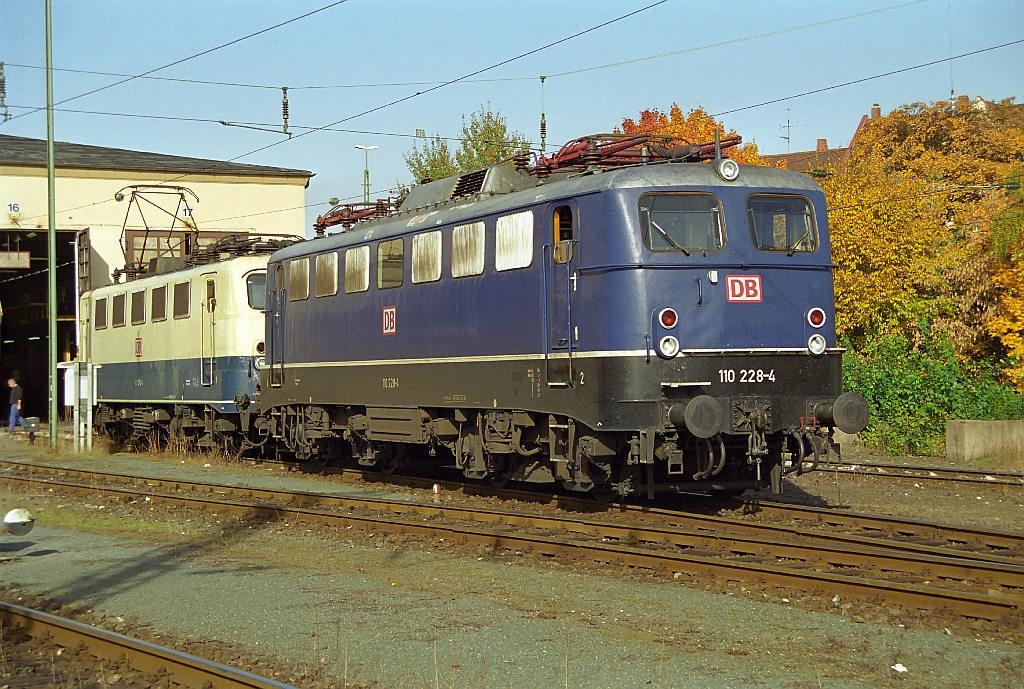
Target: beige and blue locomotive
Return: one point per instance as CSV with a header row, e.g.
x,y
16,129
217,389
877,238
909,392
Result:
x,y
617,329
179,352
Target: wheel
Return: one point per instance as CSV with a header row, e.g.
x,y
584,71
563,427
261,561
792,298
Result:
x,y
497,481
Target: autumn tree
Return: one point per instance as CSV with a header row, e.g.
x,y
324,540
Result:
x,y
695,127
485,140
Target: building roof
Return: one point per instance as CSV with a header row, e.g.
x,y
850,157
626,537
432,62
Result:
x,y
810,161
22,151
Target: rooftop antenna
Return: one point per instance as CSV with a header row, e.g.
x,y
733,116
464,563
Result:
x,y
788,127
949,26
543,121
3,94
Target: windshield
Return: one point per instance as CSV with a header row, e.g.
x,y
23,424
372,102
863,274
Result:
x,y
782,223
256,286
681,222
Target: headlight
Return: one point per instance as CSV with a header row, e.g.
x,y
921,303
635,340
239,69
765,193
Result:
x,y
816,317
669,346
19,522
728,169
816,343
259,362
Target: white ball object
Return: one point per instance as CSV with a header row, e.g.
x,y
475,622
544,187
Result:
x,y
19,522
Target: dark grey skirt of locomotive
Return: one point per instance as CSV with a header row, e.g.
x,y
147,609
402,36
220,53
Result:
x,y
617,319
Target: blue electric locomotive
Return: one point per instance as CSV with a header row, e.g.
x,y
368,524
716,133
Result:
x,y
659,326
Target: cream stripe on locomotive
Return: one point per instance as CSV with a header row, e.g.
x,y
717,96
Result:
x,y
540,357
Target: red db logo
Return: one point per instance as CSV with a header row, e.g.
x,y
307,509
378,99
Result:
x,y
388,320
138,346
743,287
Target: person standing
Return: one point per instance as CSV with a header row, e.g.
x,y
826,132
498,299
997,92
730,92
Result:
x,y
16,396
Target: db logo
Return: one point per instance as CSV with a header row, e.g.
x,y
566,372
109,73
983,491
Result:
x,y
743,287
388,320
138,346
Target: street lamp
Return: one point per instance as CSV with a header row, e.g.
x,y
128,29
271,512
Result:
x,y
366,171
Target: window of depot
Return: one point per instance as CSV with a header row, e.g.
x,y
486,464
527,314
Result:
x,y
357,269
117,318
782,223
326,274
513,241
426,257
139,307
468,243
100,319
298,279
390,263
182,297
158,303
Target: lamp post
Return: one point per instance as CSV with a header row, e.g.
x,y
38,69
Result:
x,y
366,171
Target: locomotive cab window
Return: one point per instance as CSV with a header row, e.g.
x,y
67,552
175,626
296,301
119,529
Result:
x,y
513,241
681,222
426,257
782,223
118,307
182,296
357,269
256,290
326,275
101,314
390,263
158,307
211,295
298,279
468,242
562,224
139,307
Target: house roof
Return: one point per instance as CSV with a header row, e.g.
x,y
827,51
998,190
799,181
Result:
x,y
810,161
22,151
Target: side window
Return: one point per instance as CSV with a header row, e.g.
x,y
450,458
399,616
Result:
x,y
513,241
118,315
468,249
158,309
390,263
182,296
211,295
327,274
139,307
561,223
357,269
426,257
100,321
298,279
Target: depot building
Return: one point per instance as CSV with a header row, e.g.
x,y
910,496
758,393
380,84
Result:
x,y
115,208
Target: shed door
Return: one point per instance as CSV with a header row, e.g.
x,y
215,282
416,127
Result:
x,y
562,253
208,326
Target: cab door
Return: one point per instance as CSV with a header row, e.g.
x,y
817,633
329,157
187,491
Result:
x,y
561,260
276,299
208,329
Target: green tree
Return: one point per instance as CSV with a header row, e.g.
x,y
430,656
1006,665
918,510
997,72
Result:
x,y
485,140
433,161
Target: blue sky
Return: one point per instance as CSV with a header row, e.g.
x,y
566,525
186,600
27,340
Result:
x,y
387,42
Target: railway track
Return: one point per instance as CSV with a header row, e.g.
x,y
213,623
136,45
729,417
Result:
x,y
927,473
181,669
912,576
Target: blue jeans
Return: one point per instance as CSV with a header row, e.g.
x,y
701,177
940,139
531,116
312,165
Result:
x,y
16,418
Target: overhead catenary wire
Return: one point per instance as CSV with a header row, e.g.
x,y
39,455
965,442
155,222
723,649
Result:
x,y
192,57
719,44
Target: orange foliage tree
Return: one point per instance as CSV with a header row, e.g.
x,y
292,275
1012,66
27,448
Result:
x,y
695,127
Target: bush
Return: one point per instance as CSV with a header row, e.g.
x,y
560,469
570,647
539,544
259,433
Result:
x,y
912,391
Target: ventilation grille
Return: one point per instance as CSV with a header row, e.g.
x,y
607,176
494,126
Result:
x,y
470,184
